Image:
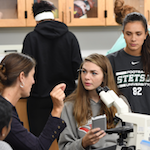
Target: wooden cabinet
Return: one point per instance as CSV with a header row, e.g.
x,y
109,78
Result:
x,y
18,13
147,10
78,16
12,13
143,6
59,13
21,108
65,13
30,21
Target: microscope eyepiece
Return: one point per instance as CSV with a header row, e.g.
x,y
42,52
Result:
x,y
99,89
106,88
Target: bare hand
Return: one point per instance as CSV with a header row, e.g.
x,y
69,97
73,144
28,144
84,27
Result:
x,y
92,137
58,96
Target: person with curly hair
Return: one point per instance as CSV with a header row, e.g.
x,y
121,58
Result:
x,y
120,11
57,53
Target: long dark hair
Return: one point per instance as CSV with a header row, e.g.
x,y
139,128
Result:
x,y
145,53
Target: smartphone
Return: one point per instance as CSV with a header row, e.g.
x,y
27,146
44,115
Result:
x,y
99,122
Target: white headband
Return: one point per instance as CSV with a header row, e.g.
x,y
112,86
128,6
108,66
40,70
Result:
x,y
44,15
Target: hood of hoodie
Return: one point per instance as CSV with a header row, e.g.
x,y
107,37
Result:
x,y
51,29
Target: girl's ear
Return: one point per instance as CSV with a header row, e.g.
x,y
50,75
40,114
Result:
x,y
21,76
146,35
102,84
3,133
123,33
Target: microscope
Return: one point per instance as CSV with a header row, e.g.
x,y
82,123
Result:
x,y
131,135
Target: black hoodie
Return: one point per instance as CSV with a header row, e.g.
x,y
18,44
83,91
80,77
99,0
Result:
x,y
58,56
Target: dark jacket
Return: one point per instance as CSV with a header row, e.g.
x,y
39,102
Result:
x,y
58,56
20,139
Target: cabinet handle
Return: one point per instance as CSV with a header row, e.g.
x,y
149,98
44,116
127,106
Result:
x,y
70,16
62,16
6,51
148,15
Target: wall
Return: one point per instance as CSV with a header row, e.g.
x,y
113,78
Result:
x,y
91,39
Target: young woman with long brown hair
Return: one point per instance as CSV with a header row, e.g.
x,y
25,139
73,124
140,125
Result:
x,y
84,103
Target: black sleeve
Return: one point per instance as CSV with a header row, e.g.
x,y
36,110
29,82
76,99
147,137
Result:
x,y
20,139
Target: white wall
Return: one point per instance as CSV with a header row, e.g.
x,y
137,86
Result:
x,y
91,39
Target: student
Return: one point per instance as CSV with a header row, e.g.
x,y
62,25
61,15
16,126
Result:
x,y
131,65
120,11
16,78
5,122
57,53
85,103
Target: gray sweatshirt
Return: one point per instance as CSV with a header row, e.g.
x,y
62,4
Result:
x,y
5,146
71,137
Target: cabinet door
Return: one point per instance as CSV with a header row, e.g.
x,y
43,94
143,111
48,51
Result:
x,y
147,10
58,13
12,13
143,6
85,12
